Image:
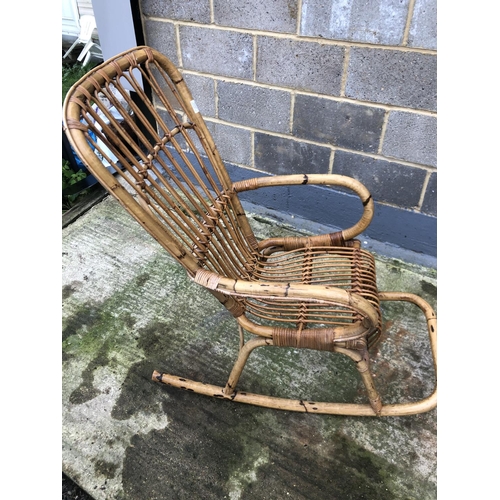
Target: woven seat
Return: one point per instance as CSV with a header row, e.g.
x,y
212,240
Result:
x,y
136,127
342,267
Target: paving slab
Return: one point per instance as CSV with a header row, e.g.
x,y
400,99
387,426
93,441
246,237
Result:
x,y
128,309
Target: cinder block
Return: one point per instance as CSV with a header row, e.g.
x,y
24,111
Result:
x,y
373,21
387,182
411,137
219,52
279,15
257,107
281,156
234,144
429,206
300,65
339,123
393,77
182,10
161,36
423,28
203,92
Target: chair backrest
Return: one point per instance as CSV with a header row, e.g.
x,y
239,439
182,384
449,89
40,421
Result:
x,y
87,26
136,127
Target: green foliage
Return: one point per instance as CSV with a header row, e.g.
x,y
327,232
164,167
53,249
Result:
x,y
71,73
69,178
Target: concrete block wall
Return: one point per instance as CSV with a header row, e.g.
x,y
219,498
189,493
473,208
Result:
x,y
317,86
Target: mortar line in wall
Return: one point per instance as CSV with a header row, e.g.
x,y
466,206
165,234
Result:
x,y
387,107
330,162
252,149
212,15
254,61
424,189
406,33
216,98
301,38
178,43
299,16
382,133
292,109
374,156
345,67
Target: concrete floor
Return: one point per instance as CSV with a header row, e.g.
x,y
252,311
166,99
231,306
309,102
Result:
x,y
129,309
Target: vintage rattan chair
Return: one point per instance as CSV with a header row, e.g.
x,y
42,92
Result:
x,y
135,125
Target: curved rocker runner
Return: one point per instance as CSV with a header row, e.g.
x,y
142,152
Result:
x,y
134,124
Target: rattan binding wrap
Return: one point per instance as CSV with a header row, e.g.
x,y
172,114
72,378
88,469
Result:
x,y
134,123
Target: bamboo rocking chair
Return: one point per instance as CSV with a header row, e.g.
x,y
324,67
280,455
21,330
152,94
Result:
x,y
135,125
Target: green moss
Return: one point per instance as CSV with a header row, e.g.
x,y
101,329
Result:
x,y
106,469
86,390
89,328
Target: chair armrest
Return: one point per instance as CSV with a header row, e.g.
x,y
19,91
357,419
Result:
x,y
292,291
318,179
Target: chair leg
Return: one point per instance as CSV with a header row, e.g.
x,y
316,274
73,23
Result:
x,y
85,49
245,351
242,336
68,52
362,359
86,59
300,405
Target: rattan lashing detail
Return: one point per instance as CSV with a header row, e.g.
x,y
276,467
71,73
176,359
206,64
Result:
x,y
207,279
131,120
320,339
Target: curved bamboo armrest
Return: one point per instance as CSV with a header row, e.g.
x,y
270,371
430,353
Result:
x,y
316,179
295,291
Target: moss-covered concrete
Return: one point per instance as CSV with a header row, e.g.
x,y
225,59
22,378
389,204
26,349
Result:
x,y
129,309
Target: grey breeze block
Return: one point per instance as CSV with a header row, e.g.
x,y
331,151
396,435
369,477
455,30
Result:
x,y
398,78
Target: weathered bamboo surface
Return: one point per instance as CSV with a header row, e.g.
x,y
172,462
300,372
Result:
x,y
135,125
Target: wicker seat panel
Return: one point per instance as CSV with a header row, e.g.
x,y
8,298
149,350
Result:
x,y
351,269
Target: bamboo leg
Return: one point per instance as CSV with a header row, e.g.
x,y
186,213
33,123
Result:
x,y
300,405
242,336
245,351
363,367
362,360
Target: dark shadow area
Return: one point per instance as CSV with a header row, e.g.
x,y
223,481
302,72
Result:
x,y
71,491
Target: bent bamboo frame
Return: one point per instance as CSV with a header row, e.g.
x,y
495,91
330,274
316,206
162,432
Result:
x,y
318,179
191,207
293,291
303,405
